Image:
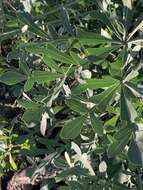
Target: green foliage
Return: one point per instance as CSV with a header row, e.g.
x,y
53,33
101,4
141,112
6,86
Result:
x,y
71,83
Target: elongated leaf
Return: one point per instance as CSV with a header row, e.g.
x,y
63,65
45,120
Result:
x,y
105,98
94,84
127,111
100,83
128,12
43,123
110,125
52,52
26,18
136,91
12,77
121,139
66,20
138,27
135,152
23,67
96,124
73,128
51,63
29,84
131,75
12,162
76,105
115,68
77,60
79,89
9,34
28,104
102,52
58,55
44,76
119,186
122,132
106,19
89,38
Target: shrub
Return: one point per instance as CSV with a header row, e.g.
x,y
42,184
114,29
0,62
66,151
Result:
x,y
72,72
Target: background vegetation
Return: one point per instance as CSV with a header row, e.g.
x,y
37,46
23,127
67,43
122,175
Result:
x,y
71,92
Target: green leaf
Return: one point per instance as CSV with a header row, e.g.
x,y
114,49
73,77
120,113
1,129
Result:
x,y
64,188
127,111
106,19
135,152
102,52
9,34
110,125
73,128
133,74
94,84
52,52
89,38
26,18
28,104
115,68
119,186
51,63
29,84
122,138
101,83
77,60
12,162
136,91
129,13
23,67
44,76
66,20
105,98
12,77
96,124
138,27
76,105
32,115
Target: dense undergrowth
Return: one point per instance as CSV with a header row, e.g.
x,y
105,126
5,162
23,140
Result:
x,y
71,92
